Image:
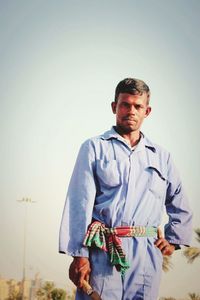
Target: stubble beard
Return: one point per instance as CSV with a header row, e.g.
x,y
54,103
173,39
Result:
x,y
126,129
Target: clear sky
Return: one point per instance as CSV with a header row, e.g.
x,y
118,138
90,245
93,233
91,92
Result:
x,y
59,64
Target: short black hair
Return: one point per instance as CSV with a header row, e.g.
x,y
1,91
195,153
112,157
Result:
x,y
132,86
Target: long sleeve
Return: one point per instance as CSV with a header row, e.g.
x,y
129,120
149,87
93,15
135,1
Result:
x,y
179,228
79,204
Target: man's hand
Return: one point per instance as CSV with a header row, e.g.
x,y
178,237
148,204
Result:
x,y
79,270
165,247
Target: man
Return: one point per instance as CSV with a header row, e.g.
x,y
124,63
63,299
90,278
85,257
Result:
x,y
119,187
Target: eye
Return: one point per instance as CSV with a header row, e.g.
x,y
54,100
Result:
x,y
125,104
138,106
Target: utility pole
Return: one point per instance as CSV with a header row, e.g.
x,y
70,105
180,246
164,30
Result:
x,y
25,201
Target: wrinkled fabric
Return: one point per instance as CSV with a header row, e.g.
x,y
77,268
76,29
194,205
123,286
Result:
x,y
117,186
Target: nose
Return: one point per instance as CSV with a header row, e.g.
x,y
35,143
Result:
x,y
132,109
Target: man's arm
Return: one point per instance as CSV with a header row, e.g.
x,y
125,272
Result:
x,y
178,230
77,214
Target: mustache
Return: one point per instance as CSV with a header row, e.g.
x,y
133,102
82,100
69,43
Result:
x,y
129,118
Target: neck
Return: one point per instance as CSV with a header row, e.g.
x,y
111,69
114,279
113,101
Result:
x,y
132,137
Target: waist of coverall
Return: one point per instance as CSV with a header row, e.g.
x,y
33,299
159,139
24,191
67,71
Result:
x,y
108,239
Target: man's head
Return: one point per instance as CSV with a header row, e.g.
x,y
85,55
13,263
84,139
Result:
x,y
132,86
131,105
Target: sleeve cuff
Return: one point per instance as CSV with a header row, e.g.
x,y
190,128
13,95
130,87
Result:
x,y
83,252
177,247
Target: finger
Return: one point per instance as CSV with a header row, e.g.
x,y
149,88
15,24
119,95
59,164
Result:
x,y
159,242
74,274
168,250
83,274
162,244
87,277
165,251
74,278
79,279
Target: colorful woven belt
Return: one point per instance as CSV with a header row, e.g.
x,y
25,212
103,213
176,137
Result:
x,y
108,239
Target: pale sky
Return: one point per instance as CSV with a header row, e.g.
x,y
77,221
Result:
x,y
60,62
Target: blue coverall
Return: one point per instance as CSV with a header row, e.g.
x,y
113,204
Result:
x,y
119,186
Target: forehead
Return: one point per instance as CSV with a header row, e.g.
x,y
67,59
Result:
x,y
125,97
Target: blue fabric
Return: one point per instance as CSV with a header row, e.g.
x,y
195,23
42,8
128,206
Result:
x,y
119,187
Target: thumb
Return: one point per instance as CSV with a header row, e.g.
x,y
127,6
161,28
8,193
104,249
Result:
x,y
159,233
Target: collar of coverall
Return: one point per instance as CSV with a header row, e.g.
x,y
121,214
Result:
x,y
151,161
143,143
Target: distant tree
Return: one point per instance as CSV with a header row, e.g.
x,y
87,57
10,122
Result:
x,y
48,288
41,294
48,291
194,296
58,294
72,295
191,253
14,291
167,264
44,293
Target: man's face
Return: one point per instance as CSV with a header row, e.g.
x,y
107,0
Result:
x,y
130,111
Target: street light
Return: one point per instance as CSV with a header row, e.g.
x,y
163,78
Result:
x,y
26,201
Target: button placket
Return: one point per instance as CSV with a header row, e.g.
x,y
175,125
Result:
x,y
128,207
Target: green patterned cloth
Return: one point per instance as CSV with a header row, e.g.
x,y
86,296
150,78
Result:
x,y
108,239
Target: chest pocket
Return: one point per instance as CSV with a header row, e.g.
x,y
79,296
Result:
x,y
158,183
108,173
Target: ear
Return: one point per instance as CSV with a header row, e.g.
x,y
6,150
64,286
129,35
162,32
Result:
x,y
113,105
148,110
